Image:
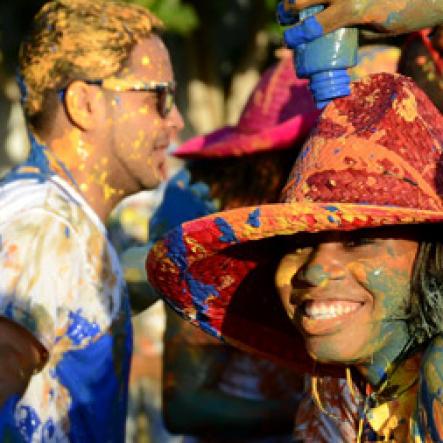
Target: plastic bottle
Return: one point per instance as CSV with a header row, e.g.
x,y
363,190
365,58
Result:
x,y
325,61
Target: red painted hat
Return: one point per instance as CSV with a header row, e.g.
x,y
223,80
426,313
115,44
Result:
x,y
279,112
374,159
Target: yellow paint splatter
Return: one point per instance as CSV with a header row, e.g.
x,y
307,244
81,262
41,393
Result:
x,y
407,107
84,187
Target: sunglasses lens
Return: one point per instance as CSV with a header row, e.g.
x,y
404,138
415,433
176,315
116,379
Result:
x,y
166,102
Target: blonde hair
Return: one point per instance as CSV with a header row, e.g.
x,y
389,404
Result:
x,y
78,39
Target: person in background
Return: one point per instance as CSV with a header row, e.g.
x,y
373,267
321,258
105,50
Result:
x,y
97,92
422,60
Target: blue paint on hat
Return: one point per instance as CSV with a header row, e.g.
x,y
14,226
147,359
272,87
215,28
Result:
x,y
200,292
254,218
227,231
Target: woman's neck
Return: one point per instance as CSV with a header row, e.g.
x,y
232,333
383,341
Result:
x,y
396,339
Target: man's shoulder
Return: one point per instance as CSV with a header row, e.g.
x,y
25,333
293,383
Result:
x,y
28,200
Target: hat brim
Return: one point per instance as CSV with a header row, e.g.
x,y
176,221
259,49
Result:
x,y
230,142
205,272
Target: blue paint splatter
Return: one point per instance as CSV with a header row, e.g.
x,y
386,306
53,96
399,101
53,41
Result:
x,y
67,232
227,231
22,87
393,17
61,94
80,328
332,219
307,31
297,178
254,218
200,291
37,159
90,376
331,208
48,431
28,421
305,152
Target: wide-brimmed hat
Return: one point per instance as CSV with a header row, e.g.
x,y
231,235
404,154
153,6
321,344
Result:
x,y
279,112
374,159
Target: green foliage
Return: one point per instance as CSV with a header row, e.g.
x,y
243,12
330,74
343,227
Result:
x,y
178,17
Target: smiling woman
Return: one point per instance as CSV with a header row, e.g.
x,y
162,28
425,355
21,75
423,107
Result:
x,y
355,260
350,297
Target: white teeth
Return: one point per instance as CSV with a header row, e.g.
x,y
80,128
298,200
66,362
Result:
x,y
324,311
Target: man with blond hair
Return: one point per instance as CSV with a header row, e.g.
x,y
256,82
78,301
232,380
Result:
x,y
97,92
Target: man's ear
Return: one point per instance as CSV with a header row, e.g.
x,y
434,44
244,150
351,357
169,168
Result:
x,y
82,104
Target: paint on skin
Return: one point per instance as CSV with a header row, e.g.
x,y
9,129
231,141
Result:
x,y
96,48
116,101
76,151
386,280
430,399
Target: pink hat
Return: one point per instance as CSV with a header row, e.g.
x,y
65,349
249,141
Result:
x,y
279,111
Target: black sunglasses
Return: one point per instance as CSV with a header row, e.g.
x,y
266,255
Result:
x,y
164,90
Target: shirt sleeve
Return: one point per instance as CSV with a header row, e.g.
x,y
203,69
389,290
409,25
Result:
x,y
40,261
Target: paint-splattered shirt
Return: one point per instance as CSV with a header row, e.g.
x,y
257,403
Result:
x,y
337,422
408,409
60,279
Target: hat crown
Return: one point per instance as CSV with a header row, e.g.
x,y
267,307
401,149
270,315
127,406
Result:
x,y
382,145
279,96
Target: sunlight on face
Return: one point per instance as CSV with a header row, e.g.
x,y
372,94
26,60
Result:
x,y
348,295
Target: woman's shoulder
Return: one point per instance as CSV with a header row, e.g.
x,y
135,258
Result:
x,y
429,415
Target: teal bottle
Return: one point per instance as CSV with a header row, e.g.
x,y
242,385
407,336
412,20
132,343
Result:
x,y
322,58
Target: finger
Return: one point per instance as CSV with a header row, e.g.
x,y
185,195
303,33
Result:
x,y
285,18
297,5
307,31
315,26
334,17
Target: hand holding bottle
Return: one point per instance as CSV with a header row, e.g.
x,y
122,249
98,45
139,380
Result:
x,y
384,16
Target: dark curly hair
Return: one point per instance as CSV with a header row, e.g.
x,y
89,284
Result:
x,y
426,308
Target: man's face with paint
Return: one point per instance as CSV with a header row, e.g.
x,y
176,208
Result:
x,y
347,292
139,134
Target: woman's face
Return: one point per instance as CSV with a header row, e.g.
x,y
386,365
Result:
x,y
349,292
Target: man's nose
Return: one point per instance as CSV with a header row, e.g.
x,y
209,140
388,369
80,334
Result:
x,y
175,120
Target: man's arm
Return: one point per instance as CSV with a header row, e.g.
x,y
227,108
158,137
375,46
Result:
x,y
385,16
20,357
